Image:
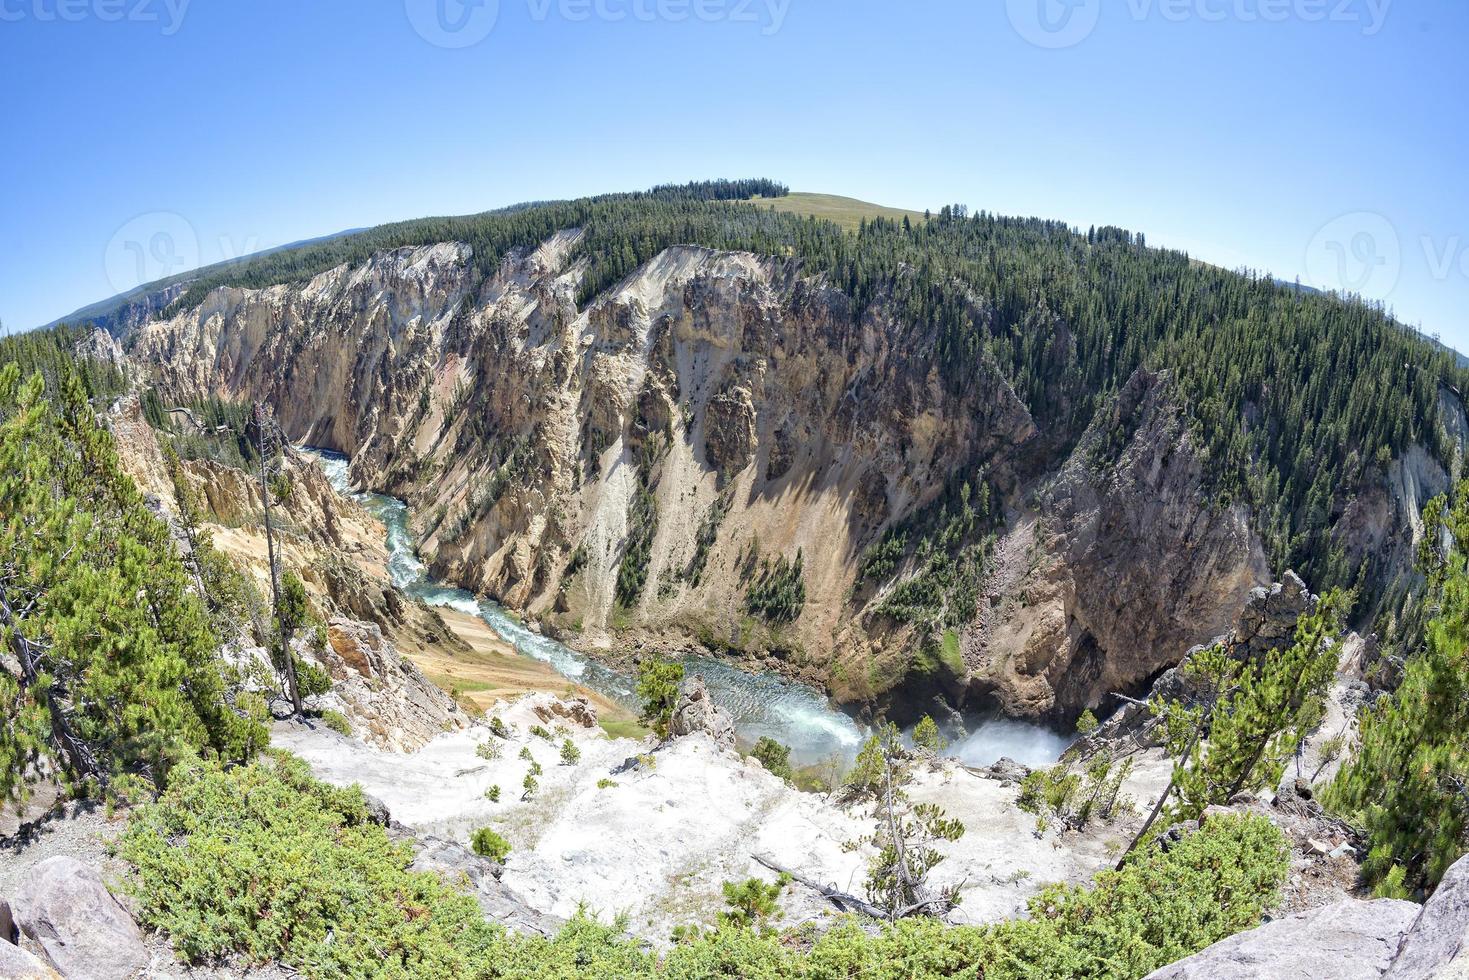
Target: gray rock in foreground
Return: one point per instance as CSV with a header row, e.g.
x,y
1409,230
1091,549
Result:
x,y
1382,940
17,964
64,907
1437,946
498,901
1351,940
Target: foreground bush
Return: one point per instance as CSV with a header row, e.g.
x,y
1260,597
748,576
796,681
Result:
x,y
265,862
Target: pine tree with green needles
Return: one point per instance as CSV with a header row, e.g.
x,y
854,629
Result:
x,y
1253,715
110,669
1407,785
658,682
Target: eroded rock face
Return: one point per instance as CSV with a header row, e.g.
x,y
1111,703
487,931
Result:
x,y
1133,560
388,700
64,907
1266,621
729,432
523,428
697,712
1351,940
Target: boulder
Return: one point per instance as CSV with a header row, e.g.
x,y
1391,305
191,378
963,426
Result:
x,y
8,932
1351,940
482,877
577,710
1006,770
17,964
1437,945
64,907
697,712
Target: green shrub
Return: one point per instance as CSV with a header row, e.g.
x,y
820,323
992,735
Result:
x,y
311,680
266,862
539,731
658,682
493,793
926,736
775,757
489,751
751,902
570,754
605,783
487,843
498,728
337,722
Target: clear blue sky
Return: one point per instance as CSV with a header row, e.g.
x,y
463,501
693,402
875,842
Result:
x,y
1211,125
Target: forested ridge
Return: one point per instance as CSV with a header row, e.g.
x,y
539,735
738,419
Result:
x,y
1298,399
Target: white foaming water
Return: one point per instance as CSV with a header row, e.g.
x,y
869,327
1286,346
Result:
x,y
998,738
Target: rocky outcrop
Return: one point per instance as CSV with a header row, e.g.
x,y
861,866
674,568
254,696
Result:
x,y
388,700
1132,560
17,964
573,708
65,909
697,712
1437,945
1351,940
1265,622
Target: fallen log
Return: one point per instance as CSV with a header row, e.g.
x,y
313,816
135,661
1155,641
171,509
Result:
x,y
842,900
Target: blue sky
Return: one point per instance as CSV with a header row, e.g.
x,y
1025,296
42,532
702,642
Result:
x,y
1316,138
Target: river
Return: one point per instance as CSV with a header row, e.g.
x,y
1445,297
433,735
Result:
x,y
761,704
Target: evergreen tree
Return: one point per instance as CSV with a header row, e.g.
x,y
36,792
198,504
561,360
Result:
x,y
1249,717
110,669
1407,785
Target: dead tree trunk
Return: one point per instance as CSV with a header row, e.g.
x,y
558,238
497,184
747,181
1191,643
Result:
x,y
76,755
265,445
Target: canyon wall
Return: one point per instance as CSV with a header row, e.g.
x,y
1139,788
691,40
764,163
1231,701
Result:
x,y
713,415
